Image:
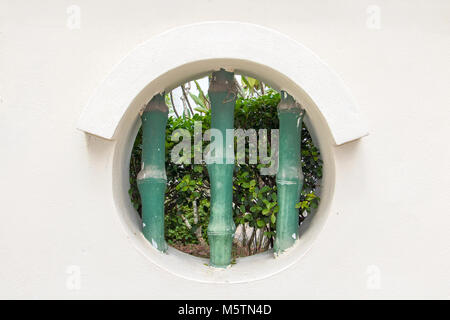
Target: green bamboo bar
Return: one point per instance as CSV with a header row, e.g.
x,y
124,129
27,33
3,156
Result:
x,y
152,178
221,226
289,175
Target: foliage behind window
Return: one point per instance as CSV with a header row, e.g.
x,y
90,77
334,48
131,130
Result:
x,y
254,195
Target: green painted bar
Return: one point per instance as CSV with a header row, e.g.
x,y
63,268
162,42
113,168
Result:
x,y
152,178
289,175
221,226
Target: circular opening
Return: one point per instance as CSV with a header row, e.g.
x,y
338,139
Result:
x,y
249,268
255,207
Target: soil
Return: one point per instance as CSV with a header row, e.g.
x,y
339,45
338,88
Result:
x,y
202,250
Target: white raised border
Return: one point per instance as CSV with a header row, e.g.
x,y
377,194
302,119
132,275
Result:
x,y
222,40
190,52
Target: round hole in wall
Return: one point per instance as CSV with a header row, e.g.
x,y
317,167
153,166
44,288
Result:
x,y
191,52
249,268
187,198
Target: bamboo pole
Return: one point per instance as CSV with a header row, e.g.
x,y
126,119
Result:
x,y
152,178
289,175
221,226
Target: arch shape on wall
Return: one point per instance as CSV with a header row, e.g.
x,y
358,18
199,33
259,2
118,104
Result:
x,y
190,52
195,50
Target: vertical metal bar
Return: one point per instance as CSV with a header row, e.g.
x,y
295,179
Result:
x,y
221,226
289,175
152,178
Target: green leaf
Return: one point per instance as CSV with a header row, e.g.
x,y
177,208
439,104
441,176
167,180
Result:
x,y
197,100
202,94
273,218
245,81
244,174
200,109
252,82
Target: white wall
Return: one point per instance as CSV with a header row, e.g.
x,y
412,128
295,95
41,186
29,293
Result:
x,y
388,232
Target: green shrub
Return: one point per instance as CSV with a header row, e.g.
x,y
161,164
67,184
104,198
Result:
x,y
254,195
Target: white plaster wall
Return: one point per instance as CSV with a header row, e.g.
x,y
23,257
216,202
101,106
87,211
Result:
x,y
388,232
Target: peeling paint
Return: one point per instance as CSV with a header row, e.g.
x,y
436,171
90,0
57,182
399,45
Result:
x,y
154,243
286,251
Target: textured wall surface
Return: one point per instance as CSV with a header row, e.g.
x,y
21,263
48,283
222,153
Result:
x,y
387,235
